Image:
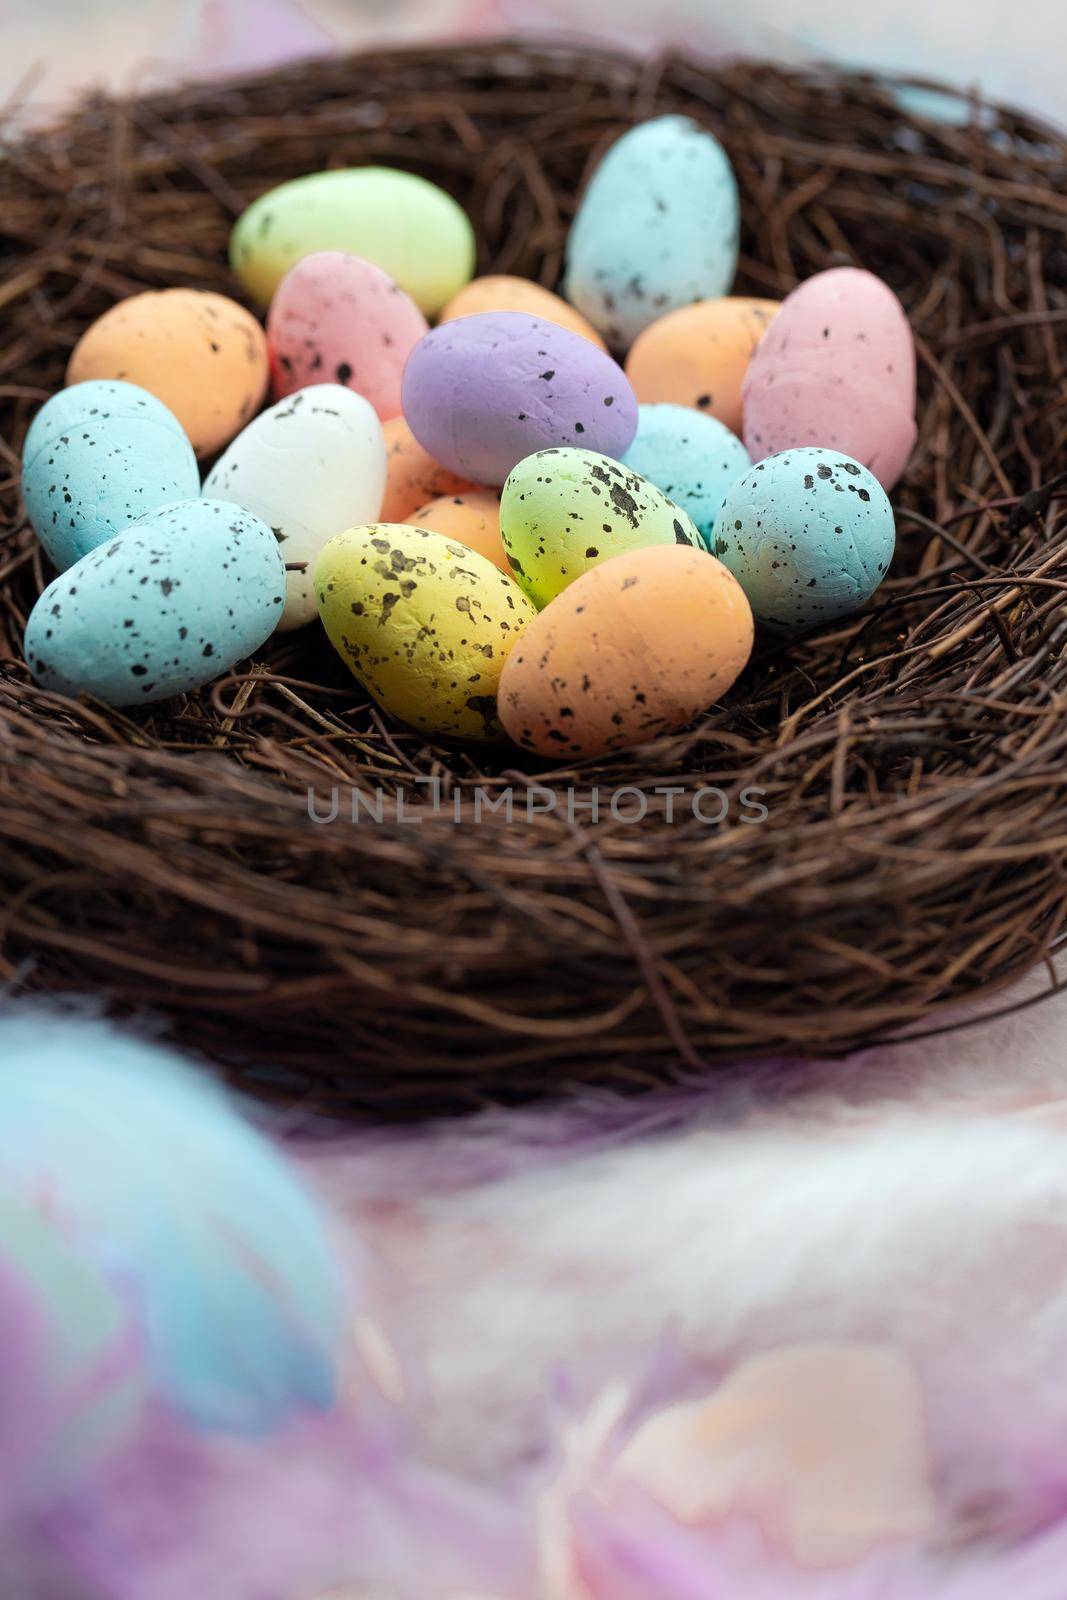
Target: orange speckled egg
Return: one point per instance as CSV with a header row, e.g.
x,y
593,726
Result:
x,y
471,518
200,353
635,647
698,356
502,293
413,477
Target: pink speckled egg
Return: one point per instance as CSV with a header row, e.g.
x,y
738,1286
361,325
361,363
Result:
x,y
836,369
336,318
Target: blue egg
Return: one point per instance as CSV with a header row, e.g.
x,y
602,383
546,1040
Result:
x,y
692,457
98,456
657,228
167,606
808,534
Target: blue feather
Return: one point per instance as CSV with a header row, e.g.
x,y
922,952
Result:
x,y
148,1168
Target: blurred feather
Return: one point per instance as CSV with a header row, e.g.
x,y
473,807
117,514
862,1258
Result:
x,y
146,1168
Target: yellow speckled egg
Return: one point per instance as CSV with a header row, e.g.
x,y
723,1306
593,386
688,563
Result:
x,y
200,353
635,647
423,622
499,292
698,356
471,518
412,476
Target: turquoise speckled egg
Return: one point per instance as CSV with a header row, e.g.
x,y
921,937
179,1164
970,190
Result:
x,y
692,457
808,534
657,228
165,607
98,456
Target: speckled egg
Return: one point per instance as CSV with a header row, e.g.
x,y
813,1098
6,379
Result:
x,y
407,226
564,511
336,318
471,518
698,355
499,292
657,228
412,476
809,535
639,646
424,623
98,456
200,353
164,607
483,392
693,458
311,466
837,369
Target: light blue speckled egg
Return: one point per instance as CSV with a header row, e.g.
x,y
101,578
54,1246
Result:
x,y
166,606
692,457
98,456
808,534
657,228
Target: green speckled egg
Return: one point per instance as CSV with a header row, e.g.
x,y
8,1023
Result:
x,y
423,622
564,511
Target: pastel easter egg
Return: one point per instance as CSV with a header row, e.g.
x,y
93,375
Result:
x,y
564,511
809,535
658,227
164,607
407,226
200,353
698,355
98,456
310,467
499,292
336,318
483,392
412,476
424,623
636,647
471,518
693,458
836,368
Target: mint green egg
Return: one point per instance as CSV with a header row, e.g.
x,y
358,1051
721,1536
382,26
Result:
x,y
564,511
407,226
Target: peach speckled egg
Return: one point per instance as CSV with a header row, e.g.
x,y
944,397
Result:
x,y
499,292
635,647
698,356
837,371
200,353
471,518
413,477
336,318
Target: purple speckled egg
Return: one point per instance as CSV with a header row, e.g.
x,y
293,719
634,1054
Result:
x,y
483,392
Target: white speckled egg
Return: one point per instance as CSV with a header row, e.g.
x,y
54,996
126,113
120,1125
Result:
x,y
657,228
311,466
164,607
692,457
808,534
98,456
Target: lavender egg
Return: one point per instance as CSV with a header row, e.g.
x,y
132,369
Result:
x,y
483,392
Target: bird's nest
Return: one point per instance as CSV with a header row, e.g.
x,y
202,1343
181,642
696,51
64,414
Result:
x,y
910,762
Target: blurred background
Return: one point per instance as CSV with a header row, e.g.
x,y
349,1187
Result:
x,y
52,48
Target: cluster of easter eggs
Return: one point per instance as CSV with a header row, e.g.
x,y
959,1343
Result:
x,y
558,518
